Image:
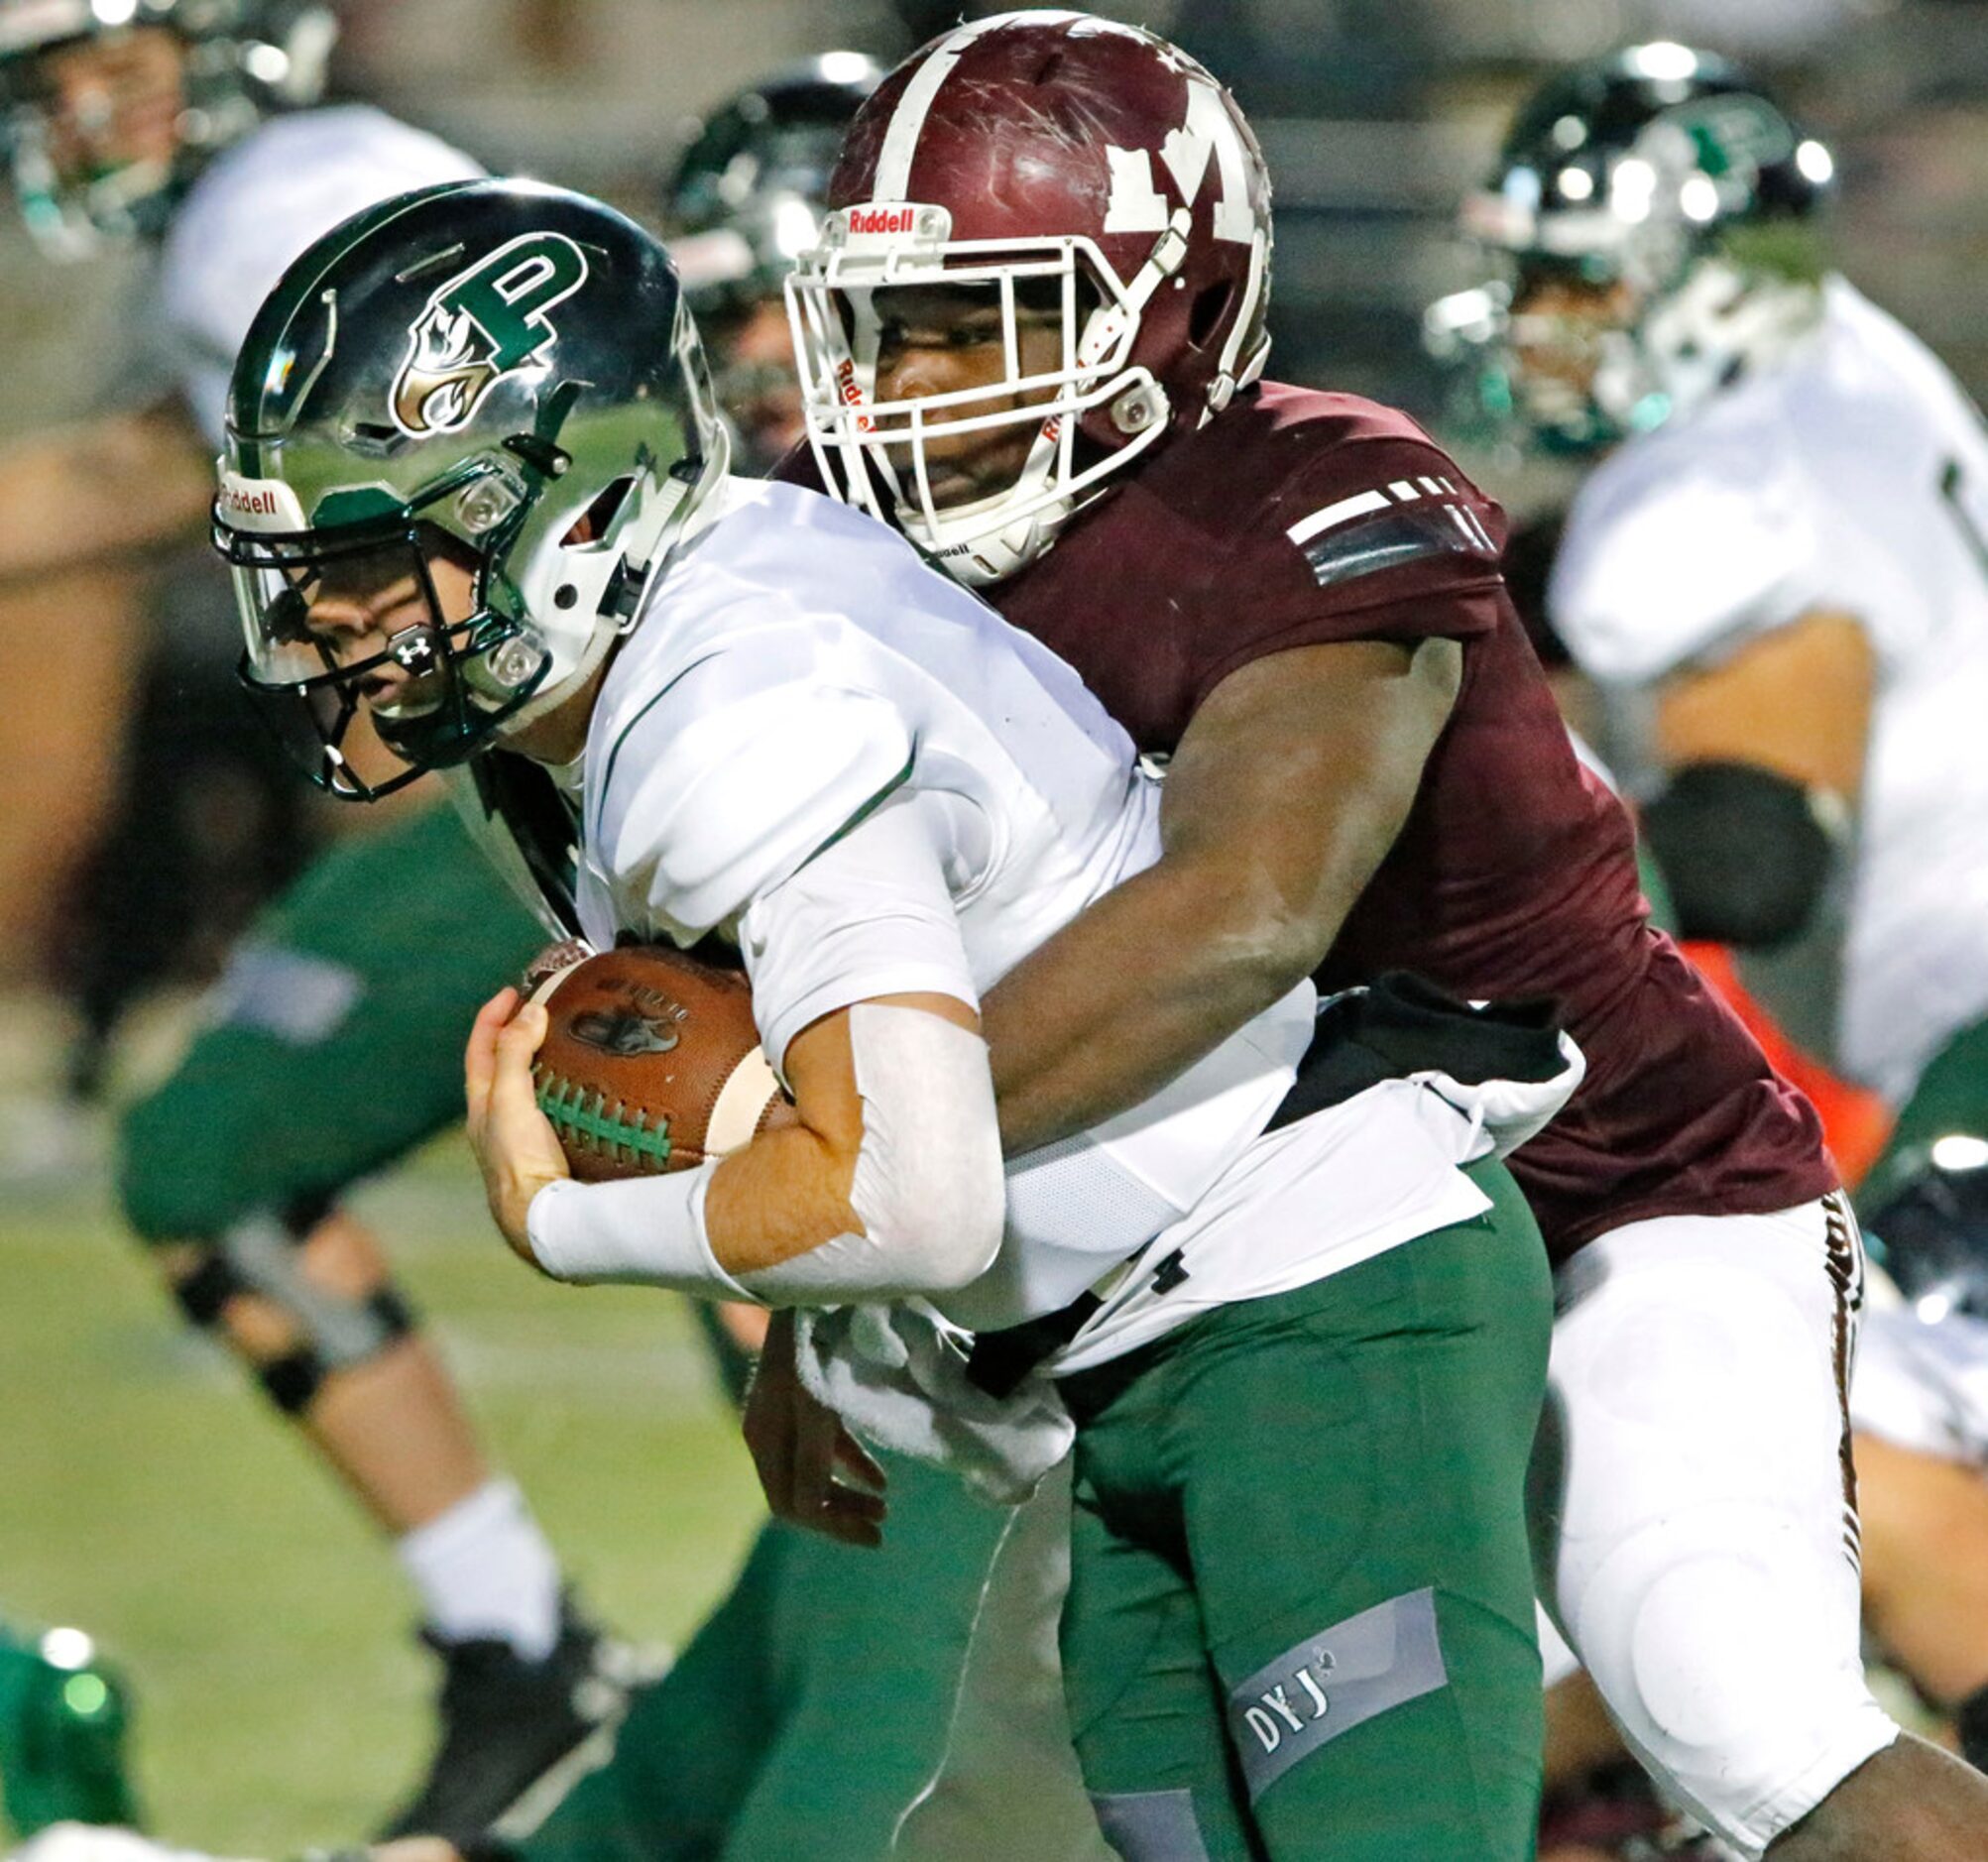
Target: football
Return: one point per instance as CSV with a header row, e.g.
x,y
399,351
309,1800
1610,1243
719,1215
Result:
x,y
650,1061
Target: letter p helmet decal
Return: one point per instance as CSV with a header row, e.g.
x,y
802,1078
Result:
x,y
480,325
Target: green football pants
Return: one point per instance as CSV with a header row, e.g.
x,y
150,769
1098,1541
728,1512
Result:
x,y
1300,1621
810,1712
337,1034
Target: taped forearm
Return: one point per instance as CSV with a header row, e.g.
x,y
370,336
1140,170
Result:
x,y
645,1231
926,1197
927,1191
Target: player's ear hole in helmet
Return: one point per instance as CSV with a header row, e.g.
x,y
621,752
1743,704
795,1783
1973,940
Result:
x,y
463,434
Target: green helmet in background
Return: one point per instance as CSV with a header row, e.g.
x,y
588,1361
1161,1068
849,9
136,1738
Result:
x,y
748,190
65,1713
747,195
499,371
245,62
1670,178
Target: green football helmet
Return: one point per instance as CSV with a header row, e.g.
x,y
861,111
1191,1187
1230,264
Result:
x,y
244,60
747,195
1668,180
498,374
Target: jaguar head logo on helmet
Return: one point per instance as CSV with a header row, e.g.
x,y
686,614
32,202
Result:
x,y
1652,215
450,473
1102,200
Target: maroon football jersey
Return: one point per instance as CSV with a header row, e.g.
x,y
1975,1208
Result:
x,y
1297,517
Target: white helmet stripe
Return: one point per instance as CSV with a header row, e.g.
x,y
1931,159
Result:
x,y
907,121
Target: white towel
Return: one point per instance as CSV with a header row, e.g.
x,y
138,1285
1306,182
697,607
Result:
x,y
897,1376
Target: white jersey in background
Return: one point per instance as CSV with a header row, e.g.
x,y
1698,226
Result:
x,y
1852,479
799,674
256,207
1922,1382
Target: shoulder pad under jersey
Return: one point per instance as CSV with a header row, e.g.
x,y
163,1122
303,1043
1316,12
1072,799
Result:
x,y
721,788
1681,545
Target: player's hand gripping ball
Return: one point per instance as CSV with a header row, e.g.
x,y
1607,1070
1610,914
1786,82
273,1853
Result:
x,y
650,1061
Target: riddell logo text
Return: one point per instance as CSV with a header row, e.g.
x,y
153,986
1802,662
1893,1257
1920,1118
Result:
x,y
881,219
240,504
847,387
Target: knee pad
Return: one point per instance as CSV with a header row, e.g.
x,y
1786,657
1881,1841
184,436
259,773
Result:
x,y
1714,1645
1725,1642
336,1331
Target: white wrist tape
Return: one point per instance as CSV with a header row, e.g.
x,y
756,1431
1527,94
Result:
x,y
928,1188
647,1232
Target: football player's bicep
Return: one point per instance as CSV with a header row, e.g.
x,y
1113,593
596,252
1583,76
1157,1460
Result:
x,y
1295,775
1796,702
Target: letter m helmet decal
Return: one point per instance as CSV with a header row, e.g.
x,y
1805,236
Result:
x,y
480,325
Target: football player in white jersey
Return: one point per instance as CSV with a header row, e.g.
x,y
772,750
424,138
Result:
x,y
494,514
1774,573
180,127
1777,570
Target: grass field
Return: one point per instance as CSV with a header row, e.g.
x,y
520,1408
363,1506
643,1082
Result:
x,y
147,1495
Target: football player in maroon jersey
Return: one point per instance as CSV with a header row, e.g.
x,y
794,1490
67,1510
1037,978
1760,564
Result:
x,y
1033,336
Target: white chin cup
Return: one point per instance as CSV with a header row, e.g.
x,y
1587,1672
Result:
x,y
928,1188
970,553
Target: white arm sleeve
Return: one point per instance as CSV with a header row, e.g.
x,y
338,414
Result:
x,y
870,915
929,1187
928,1192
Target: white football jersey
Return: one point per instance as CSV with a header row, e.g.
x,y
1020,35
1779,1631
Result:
x,y
256,207
1922,1383
797,667
1852,479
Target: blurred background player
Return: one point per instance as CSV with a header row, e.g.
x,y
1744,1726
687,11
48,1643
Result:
x,y
1775,577
743,201
365,971
1777,570
176,125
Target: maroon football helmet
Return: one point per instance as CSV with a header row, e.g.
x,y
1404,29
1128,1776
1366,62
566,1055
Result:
x,y
1088,163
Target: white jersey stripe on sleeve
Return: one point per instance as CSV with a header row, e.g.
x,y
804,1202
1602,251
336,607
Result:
x,y
1358,506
